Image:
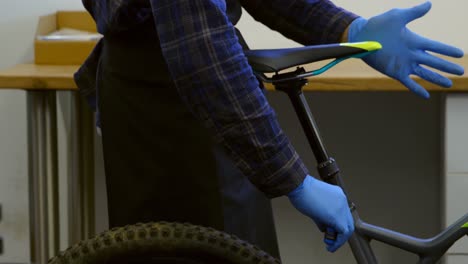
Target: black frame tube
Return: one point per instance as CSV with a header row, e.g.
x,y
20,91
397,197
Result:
x,y
429,250
310,127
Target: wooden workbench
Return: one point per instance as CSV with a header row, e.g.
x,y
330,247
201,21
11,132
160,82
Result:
x,y
351,75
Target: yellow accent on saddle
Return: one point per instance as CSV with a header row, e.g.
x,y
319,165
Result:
x,y
465,225
366,45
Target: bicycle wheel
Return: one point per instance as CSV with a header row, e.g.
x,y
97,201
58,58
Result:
x,y
162,242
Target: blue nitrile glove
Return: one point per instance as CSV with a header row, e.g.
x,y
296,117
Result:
x,y
403,51
327,205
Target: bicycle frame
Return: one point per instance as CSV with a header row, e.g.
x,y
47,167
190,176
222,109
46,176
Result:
x,y
429,250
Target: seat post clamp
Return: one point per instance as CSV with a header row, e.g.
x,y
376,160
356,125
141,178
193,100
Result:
x,y
328,169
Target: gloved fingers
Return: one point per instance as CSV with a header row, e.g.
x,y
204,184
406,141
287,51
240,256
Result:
x,y
343,231
341,225
340,241
438,47
432,77
416,12
328,241
415,87
333,245
440,64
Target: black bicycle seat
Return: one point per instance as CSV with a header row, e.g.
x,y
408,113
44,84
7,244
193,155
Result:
x,y
274,60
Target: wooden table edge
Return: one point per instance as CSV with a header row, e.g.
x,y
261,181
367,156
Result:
x,y
54,77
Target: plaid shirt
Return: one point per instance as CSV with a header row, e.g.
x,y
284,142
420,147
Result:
x,y
212,74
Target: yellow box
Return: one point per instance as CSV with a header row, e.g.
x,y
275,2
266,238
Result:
x,y
63,52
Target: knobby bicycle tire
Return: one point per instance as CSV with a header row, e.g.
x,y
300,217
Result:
x,y
163,240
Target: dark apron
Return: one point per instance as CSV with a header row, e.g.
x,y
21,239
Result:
x,y
161,164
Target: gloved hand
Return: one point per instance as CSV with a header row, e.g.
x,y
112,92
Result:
x,y
403,51
327,205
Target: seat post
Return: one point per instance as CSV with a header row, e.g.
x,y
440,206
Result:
x,y
294,91
327,167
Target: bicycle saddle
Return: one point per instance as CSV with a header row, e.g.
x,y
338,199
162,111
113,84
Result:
x,y
274,60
